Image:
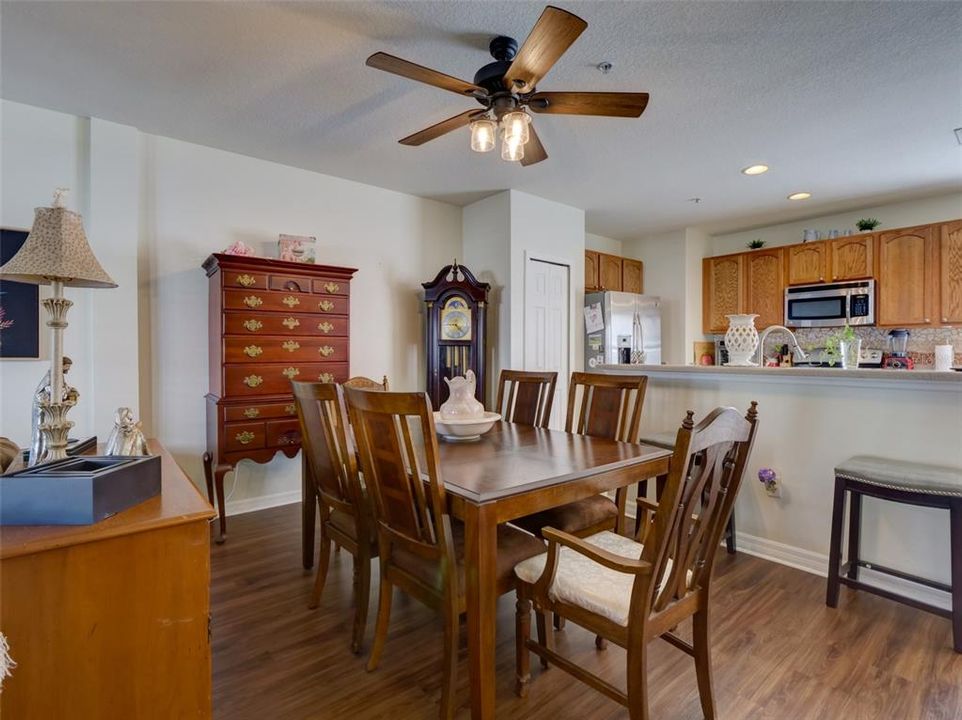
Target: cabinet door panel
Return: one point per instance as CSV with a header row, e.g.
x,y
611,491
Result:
x,y
906,277
722,291
765,286
632,276
853,257
950,272
610,272
591,270
807,263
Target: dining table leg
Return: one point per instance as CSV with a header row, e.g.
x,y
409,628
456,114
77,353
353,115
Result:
x,y
481,548
308,515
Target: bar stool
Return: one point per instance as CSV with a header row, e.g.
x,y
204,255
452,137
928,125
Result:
x,y
666,440
903,482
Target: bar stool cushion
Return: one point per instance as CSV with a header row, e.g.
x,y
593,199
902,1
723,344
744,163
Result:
x,y
902,475
664,439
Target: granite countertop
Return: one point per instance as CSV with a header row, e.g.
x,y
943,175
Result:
x,y
943,379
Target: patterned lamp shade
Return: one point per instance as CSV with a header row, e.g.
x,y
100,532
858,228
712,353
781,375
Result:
x,y
57,249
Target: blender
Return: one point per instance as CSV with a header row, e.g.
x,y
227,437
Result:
x,y
897,357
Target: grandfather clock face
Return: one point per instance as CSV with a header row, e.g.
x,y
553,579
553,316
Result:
x,y
455,319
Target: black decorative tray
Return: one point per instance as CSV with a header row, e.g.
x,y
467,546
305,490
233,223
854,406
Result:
x,y
78,490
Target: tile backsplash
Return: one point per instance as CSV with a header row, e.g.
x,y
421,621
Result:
x,y
922,341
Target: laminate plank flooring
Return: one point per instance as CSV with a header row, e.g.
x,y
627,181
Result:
x,y
778,652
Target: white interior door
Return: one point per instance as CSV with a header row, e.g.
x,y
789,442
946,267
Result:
x,y
546,339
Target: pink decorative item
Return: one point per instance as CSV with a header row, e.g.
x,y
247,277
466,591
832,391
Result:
x,y
240,248
296,248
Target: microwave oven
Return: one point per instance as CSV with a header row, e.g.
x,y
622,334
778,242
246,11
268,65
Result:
x,y
830,304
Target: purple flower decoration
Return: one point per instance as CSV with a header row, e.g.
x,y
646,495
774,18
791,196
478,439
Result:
x,y
766,475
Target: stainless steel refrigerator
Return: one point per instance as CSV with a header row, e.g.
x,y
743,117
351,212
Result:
x,y
622,329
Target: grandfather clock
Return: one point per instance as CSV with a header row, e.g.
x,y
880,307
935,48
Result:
x,y
457,306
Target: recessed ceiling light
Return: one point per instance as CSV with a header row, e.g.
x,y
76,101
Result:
x,y
800,196
755,170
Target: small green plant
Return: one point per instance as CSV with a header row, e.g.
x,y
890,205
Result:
x,y
833,344
756,243
867,224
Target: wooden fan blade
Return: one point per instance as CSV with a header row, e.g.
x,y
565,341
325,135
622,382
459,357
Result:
x,y
534,151
548,40
611,104
441,128
412,71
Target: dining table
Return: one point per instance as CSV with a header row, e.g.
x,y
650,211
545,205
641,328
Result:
x,y
514,470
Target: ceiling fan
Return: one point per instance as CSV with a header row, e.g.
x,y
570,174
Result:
x,y
506,88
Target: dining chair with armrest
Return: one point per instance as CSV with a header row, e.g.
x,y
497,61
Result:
x,y
633,591
421,547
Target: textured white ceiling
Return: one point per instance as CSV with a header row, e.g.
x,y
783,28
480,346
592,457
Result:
x,y
853,101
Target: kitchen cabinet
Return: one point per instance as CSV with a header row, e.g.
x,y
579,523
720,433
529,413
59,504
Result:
x,y
632,276
808,262
592,260
723,290
907,276
609,272
950,272
853,257
765,286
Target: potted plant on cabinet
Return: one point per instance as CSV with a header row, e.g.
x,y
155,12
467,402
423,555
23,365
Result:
x,y
867,224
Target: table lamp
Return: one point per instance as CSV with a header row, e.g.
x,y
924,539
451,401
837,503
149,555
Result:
x,y
56,253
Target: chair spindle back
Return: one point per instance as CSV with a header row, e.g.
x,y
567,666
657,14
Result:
x,y
529,398
610,405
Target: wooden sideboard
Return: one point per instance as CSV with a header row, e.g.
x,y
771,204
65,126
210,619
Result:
x,y
270,322
111,620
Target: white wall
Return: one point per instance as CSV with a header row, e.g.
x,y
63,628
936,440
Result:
x,y
603,244
894,215
155,208
664,266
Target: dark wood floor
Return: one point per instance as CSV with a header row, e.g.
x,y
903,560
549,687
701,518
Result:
x,y
778,651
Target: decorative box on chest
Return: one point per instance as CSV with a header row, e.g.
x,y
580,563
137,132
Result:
x,y
270,322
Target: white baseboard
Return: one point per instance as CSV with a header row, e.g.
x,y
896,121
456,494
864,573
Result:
x,y
262,502
817,564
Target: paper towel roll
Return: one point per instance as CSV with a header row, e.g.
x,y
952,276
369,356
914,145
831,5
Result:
x,y
943,358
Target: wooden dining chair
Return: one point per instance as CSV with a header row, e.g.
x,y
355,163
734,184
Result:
x,y
606,406
421,546
526,397
345,511
633,591
366,383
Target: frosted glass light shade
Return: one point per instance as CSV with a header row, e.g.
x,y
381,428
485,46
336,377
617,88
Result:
x,y
512,149
484,135
515,125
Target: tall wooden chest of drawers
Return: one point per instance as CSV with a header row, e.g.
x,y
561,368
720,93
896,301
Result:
x,y
270,322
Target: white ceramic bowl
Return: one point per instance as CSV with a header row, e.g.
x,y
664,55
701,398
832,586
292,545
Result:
x,y
464,430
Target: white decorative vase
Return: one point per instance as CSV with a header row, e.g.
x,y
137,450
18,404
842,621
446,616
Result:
x,y
741,340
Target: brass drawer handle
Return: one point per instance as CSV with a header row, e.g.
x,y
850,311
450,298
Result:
x,y
244,438
252,381
253,325
290,323
326,377
252,412
290,373
332,287
290,409
291,301
325,327
326,350
288,438
246,280
253,301
253,350
325,305
291,345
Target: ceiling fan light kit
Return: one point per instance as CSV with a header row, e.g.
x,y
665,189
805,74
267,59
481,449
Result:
x,y
506,88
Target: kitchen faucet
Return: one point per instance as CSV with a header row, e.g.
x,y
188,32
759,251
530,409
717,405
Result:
x,y
797,354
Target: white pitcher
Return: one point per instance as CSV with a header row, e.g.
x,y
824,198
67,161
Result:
x,y
461,404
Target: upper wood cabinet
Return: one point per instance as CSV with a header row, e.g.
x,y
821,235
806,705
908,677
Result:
x,y
808,262
591,270
950,272
765,286
853,258
632,276
609,274
723,290
907,276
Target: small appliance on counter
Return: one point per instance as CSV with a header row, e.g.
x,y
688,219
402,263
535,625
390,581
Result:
x,y
870,358
897,358
622,329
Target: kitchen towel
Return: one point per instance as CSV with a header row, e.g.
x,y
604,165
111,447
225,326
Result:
x,y
943,358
